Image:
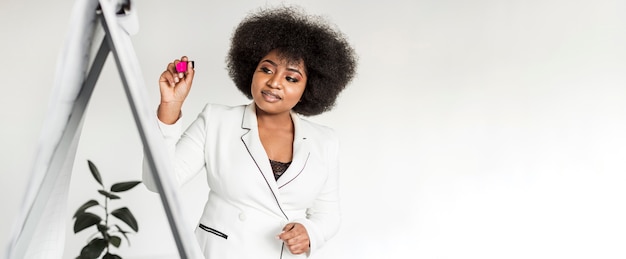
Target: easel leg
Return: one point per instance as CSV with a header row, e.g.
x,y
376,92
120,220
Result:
x,y
145,118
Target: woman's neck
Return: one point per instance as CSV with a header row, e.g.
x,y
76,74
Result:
x,y
266,120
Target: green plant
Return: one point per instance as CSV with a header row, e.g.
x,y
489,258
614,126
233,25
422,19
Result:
x,y
107,233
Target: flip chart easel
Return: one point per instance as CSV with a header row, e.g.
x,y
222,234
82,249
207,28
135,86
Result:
x,y
40,227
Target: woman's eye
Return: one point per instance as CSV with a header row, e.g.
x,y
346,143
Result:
x,y
291,79
266,70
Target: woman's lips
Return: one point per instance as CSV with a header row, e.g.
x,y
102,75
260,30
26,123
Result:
x,y
270,97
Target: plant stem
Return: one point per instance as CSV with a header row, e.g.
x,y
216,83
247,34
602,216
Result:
x,y
106,220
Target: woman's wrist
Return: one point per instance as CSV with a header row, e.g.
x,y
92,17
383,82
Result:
x,y
169,112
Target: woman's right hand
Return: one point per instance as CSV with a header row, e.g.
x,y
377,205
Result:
x,y
174,89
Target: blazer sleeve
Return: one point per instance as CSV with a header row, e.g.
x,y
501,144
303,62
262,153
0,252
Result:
x,y
324,217
186,151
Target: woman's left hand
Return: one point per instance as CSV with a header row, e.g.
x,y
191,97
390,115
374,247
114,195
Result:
x,y
296,237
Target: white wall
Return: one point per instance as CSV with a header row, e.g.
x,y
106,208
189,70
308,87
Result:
x,y
475,129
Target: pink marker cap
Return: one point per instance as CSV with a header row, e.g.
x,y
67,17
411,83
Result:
x,y
181,67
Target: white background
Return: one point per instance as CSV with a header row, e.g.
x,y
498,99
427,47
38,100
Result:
x,y
474,129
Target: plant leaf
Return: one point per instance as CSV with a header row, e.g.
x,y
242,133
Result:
x,y
125,215
102,228
115,241
85,220
111,256
125,186
123,233
78,214
93,249
85,206
109,195
95,172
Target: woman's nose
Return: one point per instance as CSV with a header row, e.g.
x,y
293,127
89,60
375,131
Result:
x,y
273,82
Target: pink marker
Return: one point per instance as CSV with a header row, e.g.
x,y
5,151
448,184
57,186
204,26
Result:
x,y
181,67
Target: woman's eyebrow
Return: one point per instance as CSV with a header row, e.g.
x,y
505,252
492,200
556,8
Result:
x,y
288,68
295,70
270,61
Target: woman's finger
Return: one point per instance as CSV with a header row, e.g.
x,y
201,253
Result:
x,y
297,249
295,237
168,78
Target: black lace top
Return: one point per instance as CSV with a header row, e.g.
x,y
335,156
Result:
x,y
279,168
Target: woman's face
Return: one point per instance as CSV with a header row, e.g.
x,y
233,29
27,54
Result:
x,y
277,85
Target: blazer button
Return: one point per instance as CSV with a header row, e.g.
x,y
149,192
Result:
x,y
242,216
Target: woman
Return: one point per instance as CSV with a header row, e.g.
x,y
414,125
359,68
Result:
x,y
272,175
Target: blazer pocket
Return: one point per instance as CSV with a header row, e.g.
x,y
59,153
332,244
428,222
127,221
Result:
x,y
213,231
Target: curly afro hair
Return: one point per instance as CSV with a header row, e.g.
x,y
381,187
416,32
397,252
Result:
x,y
330,62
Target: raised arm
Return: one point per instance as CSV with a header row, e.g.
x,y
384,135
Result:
x,y
174,87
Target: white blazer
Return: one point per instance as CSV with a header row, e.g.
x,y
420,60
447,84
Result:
x,y
246,207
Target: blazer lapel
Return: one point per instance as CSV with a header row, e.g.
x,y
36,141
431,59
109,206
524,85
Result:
x,y
252,142
255,148
301,152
